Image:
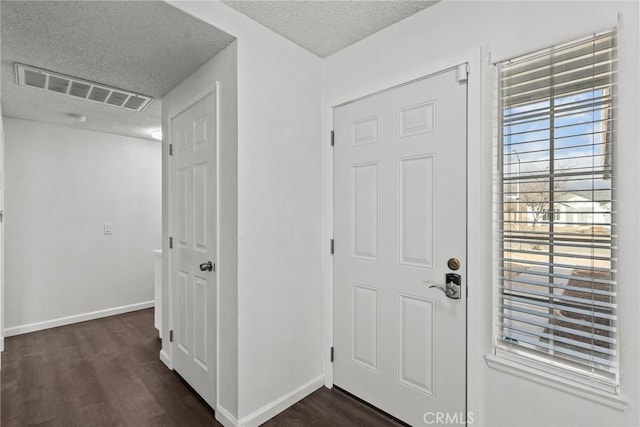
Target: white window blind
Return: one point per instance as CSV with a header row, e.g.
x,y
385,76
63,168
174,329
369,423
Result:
x,y
556,209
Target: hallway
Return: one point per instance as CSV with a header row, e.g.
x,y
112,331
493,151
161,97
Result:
x,y
102,372
106,372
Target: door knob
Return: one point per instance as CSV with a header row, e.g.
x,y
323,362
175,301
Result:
x,y
206,266
452,287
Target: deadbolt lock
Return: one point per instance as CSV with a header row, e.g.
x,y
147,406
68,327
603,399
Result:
x,y
453,264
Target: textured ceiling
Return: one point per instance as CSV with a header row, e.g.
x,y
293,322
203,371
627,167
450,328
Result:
x,y
324,27
147,47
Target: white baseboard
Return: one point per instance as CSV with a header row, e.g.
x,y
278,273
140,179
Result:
x,y
164,358
272,409
62,321
225,418
1,344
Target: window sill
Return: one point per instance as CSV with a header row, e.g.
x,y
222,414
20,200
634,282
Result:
x,y
549,380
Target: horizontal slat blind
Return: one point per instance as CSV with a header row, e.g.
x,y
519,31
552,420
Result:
x,y
555,209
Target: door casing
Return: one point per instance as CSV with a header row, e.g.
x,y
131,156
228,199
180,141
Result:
x,y
1,236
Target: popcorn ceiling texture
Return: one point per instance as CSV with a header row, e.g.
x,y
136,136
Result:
x,y
150,47
147,47
325,27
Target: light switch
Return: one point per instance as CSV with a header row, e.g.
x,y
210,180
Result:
x,y
107,229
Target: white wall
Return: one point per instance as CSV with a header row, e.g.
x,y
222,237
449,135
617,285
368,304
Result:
x,y
280,243
453,32
62,185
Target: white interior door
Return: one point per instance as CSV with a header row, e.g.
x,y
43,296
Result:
x,y
193,172
399,216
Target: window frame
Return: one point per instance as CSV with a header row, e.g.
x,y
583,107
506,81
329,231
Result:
x,y
521,361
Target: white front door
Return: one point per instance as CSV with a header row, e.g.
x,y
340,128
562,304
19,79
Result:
x,y
193,177
399,216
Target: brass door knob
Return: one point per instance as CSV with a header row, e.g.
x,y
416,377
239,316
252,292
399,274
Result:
x,y
453,264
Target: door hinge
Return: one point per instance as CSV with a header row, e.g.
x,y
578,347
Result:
x,y
170,336
332,247
170,242
463,73
333,138
332,354
171,149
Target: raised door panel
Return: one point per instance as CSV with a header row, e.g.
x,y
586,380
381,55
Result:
x,y
200,131
417,119
200,324
417,211
416,346
364,241
181,212
200,201
366,131
364,326
184,309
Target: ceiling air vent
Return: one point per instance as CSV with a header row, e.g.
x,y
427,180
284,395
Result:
x,y
78,88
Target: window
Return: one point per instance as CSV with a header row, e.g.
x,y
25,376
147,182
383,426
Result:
x,y
556,307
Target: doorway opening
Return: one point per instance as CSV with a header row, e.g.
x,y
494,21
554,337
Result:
x,y
83,175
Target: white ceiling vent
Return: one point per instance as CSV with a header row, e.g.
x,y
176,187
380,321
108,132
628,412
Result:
x,y
78,88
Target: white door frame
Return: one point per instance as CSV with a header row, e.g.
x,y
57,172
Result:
x,y
2,252
477,179
171,311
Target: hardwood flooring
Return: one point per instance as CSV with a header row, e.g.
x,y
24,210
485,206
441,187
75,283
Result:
x,y
106,372
331,408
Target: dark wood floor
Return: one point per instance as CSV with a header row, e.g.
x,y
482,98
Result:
x,y
326,408
106,373
102,373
